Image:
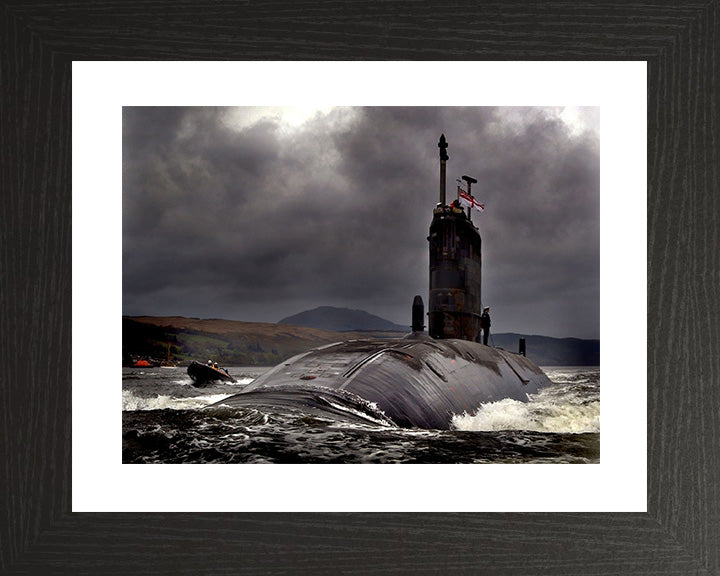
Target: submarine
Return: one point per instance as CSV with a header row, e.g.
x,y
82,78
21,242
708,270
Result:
x,y
423,379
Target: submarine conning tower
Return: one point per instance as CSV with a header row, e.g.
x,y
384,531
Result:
x,y
454,306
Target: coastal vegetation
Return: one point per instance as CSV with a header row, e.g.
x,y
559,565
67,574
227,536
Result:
x,y
178,341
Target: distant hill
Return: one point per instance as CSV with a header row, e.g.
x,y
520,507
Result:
x,y
231,343
342,320
176,339
547,351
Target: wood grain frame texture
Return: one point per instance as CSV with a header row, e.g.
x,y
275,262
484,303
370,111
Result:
x,y
680,533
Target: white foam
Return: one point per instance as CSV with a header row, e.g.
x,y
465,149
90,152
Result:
x,y
541,414
364,415
132,402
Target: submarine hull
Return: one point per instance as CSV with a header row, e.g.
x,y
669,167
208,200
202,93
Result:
x,y
414,382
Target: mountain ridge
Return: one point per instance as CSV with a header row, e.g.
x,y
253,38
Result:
x,y
342,320
180,339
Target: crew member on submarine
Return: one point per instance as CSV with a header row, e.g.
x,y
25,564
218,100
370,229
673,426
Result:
x,y
421,380
485,323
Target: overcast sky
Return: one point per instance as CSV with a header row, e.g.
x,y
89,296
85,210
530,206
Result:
x,y
256,214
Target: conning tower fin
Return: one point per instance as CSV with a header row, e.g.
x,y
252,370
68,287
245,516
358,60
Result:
x,y
454,306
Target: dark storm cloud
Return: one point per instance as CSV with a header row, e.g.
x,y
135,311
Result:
x,y
258,220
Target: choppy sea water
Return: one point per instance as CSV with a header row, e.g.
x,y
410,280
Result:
x,y
167,420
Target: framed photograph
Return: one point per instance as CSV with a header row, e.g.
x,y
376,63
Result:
x,y
307,220
197,517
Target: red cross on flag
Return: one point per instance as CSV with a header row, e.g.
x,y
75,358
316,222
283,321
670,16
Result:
x,y
470,202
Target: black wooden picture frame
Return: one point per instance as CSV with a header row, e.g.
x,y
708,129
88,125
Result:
x,y
680,533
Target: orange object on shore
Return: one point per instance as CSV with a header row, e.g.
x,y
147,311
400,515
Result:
x,y
142,363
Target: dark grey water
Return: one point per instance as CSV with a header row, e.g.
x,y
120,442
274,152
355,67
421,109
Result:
x,y
165,419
